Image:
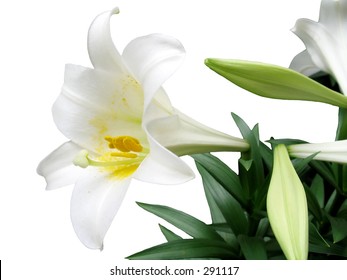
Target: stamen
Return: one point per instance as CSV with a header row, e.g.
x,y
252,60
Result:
x,y
124,144
124,155
132,144
119,144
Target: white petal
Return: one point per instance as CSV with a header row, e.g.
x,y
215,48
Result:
x,y
94,103
162,166
333,15
303,63
160,107
152,60
326,52
102,52
332,152
57,167
94,203
192,137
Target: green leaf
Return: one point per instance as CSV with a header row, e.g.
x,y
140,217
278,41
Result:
x,y
332,250
315,237
262,227
301,165
266,154
339,228
253,248
251,169
341,132
274,81
317,188
324,169
223,174
228,205
216,215
187,249
183,221
330,202
169,235
312,203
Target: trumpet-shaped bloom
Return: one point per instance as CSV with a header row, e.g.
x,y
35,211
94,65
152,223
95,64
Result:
x,y
121,125
332,151
287,207
326,42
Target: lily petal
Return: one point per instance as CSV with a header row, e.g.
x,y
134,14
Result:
x,y
326,40
303,63
93,104
287,207
332,151
333,16
152,59
102,52
57,167
192,137
163,167
94,203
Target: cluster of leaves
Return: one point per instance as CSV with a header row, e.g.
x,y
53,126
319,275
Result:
x,y
237,201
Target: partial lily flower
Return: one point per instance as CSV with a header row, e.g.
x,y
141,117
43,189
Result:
x,y
121,125
326,42
331,151
287,207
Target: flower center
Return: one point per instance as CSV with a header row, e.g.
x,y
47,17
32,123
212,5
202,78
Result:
x,y
123,158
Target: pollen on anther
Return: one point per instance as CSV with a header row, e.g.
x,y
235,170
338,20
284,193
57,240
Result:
x,y
124,155
124,144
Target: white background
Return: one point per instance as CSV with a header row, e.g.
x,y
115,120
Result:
x,y
37,39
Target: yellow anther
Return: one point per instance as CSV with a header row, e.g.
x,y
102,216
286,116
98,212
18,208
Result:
x,y
124,155
132,144
119,144
110,139
124,144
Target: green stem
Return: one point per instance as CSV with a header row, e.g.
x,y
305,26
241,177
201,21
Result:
x,y
341,132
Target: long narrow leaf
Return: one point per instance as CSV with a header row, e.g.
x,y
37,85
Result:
x,y
253,248
223,174
229,207
183,221
187,249
339,228
169,235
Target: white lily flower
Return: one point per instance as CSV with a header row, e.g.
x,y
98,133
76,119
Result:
x,y
331,151
287,207
122,126
326,42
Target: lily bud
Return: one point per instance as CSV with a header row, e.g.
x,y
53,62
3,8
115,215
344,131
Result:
x,y
287,207
274,81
